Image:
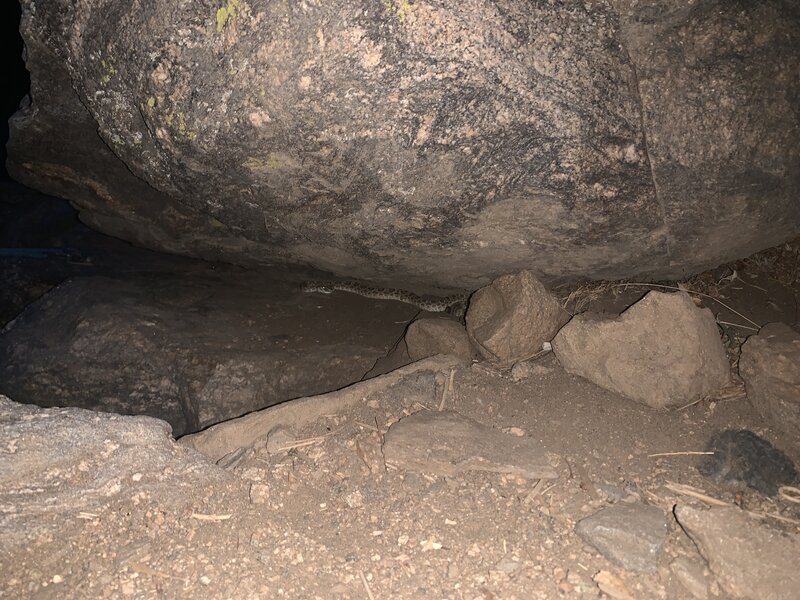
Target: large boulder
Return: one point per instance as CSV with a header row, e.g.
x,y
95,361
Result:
x,y
425,144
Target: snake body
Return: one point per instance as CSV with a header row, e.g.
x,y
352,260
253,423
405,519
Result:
x,y
429,303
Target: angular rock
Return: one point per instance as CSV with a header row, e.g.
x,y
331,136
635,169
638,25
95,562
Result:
x,y
629,535
770,367
663,351
65,461
510,319
429,337
385,151
748,558
446,443
279,439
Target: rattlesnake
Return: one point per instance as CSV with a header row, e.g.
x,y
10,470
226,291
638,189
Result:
x,y
429,303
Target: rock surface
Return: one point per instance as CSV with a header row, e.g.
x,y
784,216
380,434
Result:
x,y
663,351
62,462
191,351
748,558
770,367
414,384
630,535
421,145
429,337
693,576
509,320
446,443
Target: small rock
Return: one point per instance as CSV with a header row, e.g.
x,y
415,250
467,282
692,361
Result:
x,y
629,535
662,352
510,319
429,337
577,582
446,443
769,367
354,499
748,558
692,576
508,565
615,493
259,493
279,439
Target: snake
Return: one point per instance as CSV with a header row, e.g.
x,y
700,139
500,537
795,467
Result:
x,y
429,303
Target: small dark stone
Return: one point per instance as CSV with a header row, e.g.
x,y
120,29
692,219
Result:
x,y
744,459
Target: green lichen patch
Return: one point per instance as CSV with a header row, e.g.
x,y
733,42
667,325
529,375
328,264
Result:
x,y
225,14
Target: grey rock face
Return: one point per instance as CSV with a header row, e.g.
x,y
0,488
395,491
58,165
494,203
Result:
x,y
421,145
630,535
770,367
663,351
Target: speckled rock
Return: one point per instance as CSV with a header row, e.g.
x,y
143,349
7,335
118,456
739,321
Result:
x,y
426,145
630,535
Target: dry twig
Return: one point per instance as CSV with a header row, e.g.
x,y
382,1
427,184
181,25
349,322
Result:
x,y
685,453
366,585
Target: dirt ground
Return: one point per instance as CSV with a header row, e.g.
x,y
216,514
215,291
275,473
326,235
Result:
x,y
320,521
325,517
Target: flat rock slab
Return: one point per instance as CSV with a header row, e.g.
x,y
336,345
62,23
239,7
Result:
x,y
416,382
630,535
192,349
748,558
446,443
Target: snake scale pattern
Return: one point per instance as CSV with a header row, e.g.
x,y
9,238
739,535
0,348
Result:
x,y
429,303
